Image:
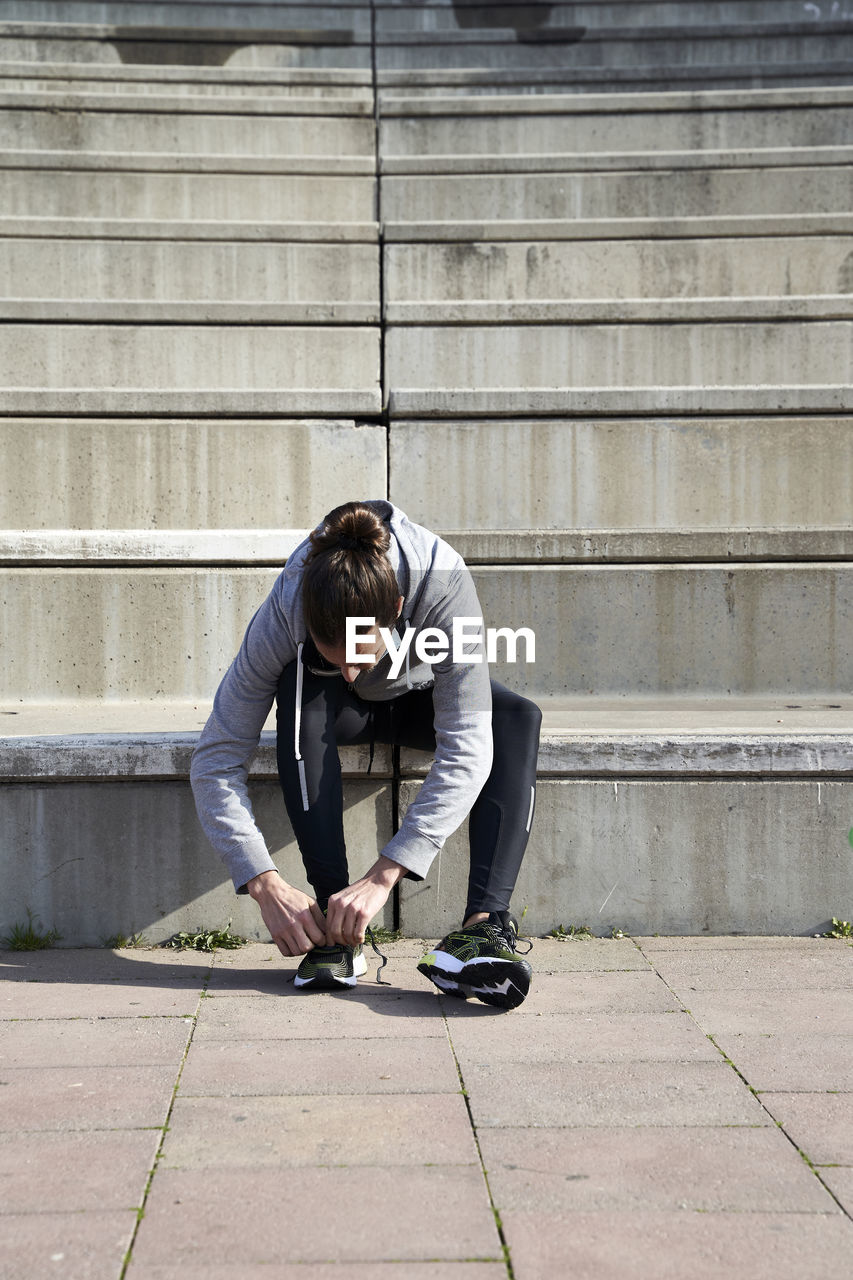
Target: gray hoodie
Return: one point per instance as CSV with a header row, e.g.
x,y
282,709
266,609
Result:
x,y
436,588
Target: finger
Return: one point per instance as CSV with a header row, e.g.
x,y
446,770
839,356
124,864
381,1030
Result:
x,y
315,932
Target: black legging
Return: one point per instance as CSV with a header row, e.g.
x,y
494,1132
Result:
x,y
332,715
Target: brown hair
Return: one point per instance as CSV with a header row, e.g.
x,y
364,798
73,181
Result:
x,y
348,573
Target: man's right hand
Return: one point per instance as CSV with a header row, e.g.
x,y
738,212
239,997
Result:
x,y
295,921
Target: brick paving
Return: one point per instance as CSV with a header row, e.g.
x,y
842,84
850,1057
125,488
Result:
x,y
658,1107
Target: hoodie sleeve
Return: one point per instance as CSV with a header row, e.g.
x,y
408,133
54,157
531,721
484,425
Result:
x,y
220,762
462,702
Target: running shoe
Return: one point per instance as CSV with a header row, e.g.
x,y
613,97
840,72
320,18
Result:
x,y
330,968
481,961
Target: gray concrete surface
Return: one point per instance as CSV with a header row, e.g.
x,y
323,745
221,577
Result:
x,y
604,630
163,1112
510,274
152,473
223,197
709,474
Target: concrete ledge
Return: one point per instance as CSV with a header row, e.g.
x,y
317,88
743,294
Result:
x,y
252,547
396,105
276,104
617,228
200,311
333,166
617,161
795,73
646,546
616,311
651,401
88,757
582,738
215,79
201,229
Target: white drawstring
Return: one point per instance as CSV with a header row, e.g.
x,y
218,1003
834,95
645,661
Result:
x,y
297,727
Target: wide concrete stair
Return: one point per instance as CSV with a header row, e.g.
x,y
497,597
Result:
x,y
600,338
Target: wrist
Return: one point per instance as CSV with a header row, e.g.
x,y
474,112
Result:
x,y
262,883
386,872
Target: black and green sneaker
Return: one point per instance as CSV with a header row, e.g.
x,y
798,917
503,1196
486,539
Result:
x,y
330,968
481,961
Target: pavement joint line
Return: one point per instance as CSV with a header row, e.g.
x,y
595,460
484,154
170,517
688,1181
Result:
x,y
507,1257
755,1093
164,1128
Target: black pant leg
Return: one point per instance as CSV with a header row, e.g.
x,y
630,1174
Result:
x,y
327,710
502,816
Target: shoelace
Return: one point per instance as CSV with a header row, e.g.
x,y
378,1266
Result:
x,y
383,958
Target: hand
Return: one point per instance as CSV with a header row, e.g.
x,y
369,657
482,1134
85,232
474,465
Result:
x,y
350,911
295,921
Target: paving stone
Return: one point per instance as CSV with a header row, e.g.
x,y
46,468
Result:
x,y
840,1182
62,1098
671,1246
69,1172
77,1246
577,955
300,1131
752,1170
366,1012
602,1093
280,1067
789,1061
328,1271
821,1124
774,969
575,993
94,1042
754,1012
610,1037
95,983
245,1217
732,942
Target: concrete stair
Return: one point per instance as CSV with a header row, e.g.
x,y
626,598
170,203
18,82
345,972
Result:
x,y
598,337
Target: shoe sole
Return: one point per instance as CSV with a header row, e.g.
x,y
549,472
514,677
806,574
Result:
x,y
326,980
501,983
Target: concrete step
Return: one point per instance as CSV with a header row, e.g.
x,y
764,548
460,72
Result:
x,y
36,42
100,547
740,47
196,281
95,193
728,367
512,274
349,16
668,857
632,77
526,20
618,228
657,473
643,814
149,473
542,125
155,369
79,123
313,84
685,192
706,629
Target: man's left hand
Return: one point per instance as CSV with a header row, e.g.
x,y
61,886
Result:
x,y
350,911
